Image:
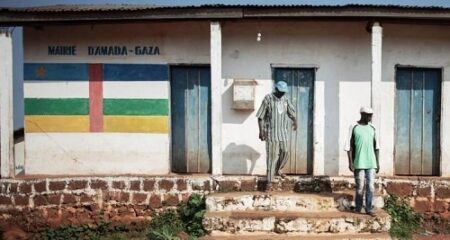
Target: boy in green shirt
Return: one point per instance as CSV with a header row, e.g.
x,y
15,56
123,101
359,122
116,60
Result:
x,y
362,150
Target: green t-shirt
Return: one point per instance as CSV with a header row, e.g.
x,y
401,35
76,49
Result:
x,y
364,140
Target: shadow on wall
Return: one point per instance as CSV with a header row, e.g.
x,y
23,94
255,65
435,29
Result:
x,y
229,114
236,157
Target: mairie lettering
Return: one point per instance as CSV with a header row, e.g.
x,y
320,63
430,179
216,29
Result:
x,y
62,50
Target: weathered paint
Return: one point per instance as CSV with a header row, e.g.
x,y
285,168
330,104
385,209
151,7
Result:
x,y
136,124
95,98
135,72
56,123
215,54
191,119
342,50
422,46
53,106
136,90
56,71
417,116
151,107
301,92
87,153
56,89
6,106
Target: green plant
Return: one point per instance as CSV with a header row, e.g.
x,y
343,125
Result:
x,y
165,226
405,222
192,215
80,232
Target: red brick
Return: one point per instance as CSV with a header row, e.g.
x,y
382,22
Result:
x,y
139,198
57,186
54,198
441,206
155,201
69,199
118,184
21,200
185,197
135,185
13,188
422,206
424,192
40,200
77,184
181,185
166,185
399,189
84,198
288,185
25,188
171,200
122,197
99,184
205,187
248,185
40,187
227,186
149,185
4,200
442,192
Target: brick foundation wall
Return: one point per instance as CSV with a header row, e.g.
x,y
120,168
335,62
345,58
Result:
x,y
35,204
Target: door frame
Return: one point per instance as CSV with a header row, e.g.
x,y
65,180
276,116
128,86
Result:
x,y
169,85
439,151
315,68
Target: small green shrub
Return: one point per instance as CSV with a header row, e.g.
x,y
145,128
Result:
x,y
71,232
192,215
165,226
405,222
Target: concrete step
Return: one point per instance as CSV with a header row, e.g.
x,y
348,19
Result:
x,y
296,222
283,201
271,236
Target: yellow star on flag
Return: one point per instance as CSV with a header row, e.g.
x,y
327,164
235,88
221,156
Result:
x,y
41,71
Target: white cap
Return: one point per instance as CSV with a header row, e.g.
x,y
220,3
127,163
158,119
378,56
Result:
x,y
367,110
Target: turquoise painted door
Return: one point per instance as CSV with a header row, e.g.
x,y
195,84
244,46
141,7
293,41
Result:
x,y
301,93
417,121
190,119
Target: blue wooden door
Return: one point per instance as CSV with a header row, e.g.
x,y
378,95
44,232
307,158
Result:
x,y
417,121
191,119
301,93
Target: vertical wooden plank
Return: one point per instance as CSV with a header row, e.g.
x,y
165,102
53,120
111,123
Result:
x,y
416,123
310,128
96,97
192,120
178,86
431,112
205,121
302,118
403,110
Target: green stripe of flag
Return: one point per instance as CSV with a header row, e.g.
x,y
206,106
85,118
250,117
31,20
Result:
x,y
147,107
56,106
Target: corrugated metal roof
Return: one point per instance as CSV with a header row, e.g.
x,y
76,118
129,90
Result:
x,y
58,14
138,7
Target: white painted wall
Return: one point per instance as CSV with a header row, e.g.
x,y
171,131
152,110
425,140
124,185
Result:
x,y
341,50
425,46
107,153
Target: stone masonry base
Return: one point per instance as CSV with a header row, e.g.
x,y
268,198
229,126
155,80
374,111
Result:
x,y
35,204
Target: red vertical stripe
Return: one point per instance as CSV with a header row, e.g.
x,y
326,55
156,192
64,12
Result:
x,y
96,97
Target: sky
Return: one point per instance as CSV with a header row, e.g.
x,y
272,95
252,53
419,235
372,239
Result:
x,y
17,34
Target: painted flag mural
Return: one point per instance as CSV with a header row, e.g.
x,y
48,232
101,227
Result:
x,y
77,97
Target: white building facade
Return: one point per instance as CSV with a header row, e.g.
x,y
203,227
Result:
x,y
156,97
